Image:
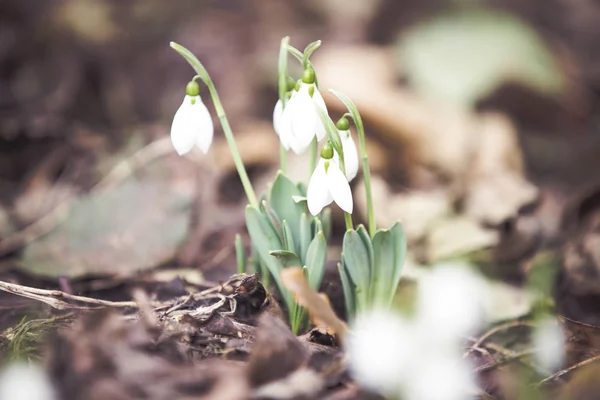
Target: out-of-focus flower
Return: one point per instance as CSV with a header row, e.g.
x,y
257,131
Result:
x,y
300,121
548,342
25,382
327,184
277,112
451,302
192,124
440,377
381,347
350,155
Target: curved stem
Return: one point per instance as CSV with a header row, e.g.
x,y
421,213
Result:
x,y
282,90
237,159
364,157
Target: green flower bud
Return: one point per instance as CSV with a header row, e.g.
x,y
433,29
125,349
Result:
x,y
308,76
290,83
192,89
327,151
343,124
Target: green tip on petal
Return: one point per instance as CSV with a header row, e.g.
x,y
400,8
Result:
x,y
298,84
311,91
327,151
343,124
290,83
308,76
192,89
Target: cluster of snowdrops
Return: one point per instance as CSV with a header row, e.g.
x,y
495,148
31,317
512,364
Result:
x,y
290,224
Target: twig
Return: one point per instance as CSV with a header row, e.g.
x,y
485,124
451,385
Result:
x,y
494,330
567,370
505,360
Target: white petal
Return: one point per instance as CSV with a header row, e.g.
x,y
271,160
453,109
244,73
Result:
x,y
304,119
285,125
339,187
205,127
318,195
183,133
350,155
549,341
320,128
277,111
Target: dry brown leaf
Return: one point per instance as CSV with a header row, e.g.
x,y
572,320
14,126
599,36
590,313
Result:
x,y
318,307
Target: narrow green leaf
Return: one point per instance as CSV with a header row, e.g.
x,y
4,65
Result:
x,y
357,258
305,236
349,291
282,70
240,254
288,238
282,202
316,259
384,266
399,256
325,218
308,50
286,258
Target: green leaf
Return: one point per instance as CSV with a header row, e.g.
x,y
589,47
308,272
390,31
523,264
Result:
x,y
349,290
282,202
265,239
272,218
357,256
399,256
286,258
383,266
288,238
240,254
282,70
305,236
316,258
325,219
308,50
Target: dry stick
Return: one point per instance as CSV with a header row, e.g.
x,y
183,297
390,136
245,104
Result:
x,y
118,174
52,298
505,360
567,370
494,330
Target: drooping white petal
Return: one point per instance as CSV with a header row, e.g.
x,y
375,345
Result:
x,y
320,128
350,155
339,187
26,381
318,196
277,115
205,127
192,125
304,120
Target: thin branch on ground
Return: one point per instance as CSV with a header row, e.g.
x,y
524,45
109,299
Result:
x,y
565,371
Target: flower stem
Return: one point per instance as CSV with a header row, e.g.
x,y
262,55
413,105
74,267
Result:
x,y
348,219
237,159
364,157
313,156
282,90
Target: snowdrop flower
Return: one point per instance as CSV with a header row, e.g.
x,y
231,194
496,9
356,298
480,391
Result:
x,y
548,341
440,377
192,124
277,112
451,302
25,382
349,149
300,121
327,184
380,349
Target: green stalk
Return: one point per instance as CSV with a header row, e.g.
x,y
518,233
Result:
x,y
364,157
282,90
237,159
313,156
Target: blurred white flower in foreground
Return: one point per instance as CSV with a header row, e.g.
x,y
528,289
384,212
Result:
x,y
25,382
327,184
300,121
421,358
192,124
548,342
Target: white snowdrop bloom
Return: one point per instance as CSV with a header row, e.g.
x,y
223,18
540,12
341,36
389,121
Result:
x,y
451,303
192,124
548,341
300,120
381,349
440,377
350,155
25,382
277,112
327,184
